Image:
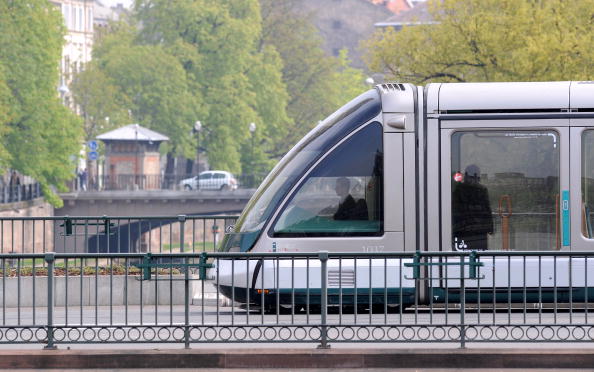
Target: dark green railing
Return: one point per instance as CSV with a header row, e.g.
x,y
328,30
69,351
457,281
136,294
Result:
x,y
201,297
108,234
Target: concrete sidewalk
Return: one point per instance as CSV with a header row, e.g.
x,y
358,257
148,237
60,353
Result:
x,y
299,358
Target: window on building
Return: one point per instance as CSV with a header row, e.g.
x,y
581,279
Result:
x,y
66,13
90,20
72,25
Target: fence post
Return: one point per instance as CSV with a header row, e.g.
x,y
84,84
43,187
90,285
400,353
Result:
x,y
50,259
182,232
323,256
187,304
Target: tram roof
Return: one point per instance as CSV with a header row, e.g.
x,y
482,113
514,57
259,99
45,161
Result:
x,y
521,96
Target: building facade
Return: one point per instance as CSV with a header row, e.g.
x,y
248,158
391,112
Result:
x,y
78,19
132,158
343,24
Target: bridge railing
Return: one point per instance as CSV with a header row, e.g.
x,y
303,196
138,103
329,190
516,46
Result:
x,y
105,234
165,182
321,298
18,193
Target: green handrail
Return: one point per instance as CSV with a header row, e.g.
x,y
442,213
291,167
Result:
x,y
147,266
472,263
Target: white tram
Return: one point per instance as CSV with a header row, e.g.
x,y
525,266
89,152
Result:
x,y
446,167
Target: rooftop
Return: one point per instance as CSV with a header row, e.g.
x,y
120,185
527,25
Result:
x,y
417,15
133,132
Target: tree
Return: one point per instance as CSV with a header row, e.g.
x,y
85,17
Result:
x,y
317,84
42,135
215,41
491,40
101,101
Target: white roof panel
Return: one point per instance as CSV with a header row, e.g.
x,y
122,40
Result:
x,y
133,132
582,94
504,96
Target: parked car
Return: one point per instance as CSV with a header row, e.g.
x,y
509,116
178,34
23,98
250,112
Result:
x,y
210,180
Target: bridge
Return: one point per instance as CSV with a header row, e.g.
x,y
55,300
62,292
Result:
x,y
153,202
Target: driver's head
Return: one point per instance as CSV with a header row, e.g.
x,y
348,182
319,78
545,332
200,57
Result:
x,y
343,186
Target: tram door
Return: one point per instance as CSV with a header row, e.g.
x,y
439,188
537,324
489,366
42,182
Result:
x,y
582,185
505,187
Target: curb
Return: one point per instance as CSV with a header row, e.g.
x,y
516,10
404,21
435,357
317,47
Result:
x,y
299,358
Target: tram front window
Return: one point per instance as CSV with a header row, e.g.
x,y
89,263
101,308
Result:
x,y
342,196
295,164
505,190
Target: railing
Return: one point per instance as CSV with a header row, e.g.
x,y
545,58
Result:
x,y
155,234
163,182
321,298
18,193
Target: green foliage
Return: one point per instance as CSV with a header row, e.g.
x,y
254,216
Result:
x,y
41,134
317,84
226,63
99,98
491,40
155,84
216,42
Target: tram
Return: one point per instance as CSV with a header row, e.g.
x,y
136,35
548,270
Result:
x,y
443,168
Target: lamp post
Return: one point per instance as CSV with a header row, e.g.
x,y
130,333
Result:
x,y
63,90
198,129
252,129
136,178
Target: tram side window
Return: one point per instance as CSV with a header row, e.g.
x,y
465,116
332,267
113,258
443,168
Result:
x,y
588,184
343,195
505,190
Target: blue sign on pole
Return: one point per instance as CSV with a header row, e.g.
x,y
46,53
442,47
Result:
x,y
93,155
93,146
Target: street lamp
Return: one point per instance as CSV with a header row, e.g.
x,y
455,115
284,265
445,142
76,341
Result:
x,y
136,175
252,129
63,90
198,129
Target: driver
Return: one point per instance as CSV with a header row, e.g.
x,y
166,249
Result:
x,y
348,208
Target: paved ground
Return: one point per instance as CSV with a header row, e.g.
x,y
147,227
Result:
x,y
299,359
314,370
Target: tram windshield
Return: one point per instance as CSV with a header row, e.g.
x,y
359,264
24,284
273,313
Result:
x,y
294,165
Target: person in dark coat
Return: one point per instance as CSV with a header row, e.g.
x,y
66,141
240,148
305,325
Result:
x,y
472,219
348,208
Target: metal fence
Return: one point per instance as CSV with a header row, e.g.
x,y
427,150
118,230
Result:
x,y
18,193
156,234
164,182
320,298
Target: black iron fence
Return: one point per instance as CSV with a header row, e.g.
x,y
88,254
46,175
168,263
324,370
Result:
x,y
18,193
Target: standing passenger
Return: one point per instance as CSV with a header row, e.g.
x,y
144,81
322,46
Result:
x,y
472,219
